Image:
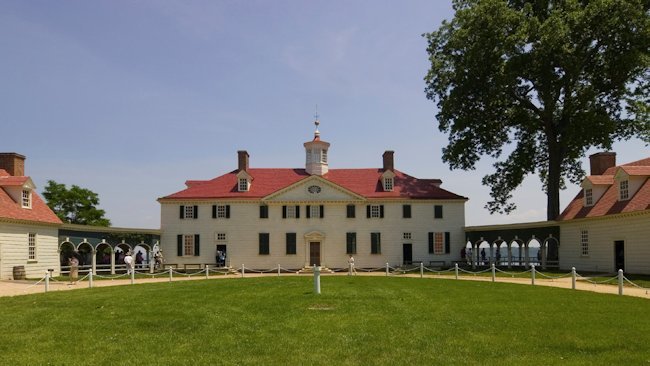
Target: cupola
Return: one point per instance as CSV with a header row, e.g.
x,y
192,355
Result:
x,y
316,153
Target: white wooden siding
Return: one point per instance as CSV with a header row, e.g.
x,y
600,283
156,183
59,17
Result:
x,y
14,243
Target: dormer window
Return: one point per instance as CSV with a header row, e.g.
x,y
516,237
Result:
x,y
243,185
27,198
624,190
388,184
589,197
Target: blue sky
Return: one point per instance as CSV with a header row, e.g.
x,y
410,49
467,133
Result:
x,y
132,98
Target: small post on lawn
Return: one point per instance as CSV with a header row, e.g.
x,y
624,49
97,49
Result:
x,y
386,268
573,278
278,269
243,270
493,273
620,282
532,274
170,273
132,276
421,269
47,281
207,271
90,279
456,269
317,279
349,269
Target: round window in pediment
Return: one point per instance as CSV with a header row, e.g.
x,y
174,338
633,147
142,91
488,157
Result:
x,y
314,189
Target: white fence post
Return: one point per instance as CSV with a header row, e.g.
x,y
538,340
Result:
x,y
386,268
421,269
493,273
316,279
573,278
47,281
207,271
243,270
90,279
532,274
620,282
133,275
170,273
456,269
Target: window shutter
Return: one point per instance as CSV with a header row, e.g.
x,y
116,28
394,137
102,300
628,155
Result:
x,y
351,209
196,212
298,212
308,211
322,211
214,211
447,242
430,242
406,211
227,211
197,245
368,211
179,246
182,212
437,212
264,212
284,212
381,211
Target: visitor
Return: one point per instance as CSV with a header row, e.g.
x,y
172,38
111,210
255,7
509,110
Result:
x,y
73,262
468,253
222,258
483,257
128,260
218,258
139,258
351,269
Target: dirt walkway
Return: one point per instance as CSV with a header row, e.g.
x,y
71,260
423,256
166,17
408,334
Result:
x,y
15,288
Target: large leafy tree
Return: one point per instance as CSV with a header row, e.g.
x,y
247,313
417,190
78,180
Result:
x,y
75,205
541,82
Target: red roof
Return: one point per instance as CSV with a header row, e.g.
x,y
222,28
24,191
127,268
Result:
x,y
10,209
601,179
364,182
609,204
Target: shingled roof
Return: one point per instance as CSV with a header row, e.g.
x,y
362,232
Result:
x,y
12,210
609,203
364,182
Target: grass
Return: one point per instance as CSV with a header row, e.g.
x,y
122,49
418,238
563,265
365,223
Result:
x,y
357,321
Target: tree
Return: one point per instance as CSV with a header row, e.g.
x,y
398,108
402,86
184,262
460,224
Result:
x,y
541,80
75,205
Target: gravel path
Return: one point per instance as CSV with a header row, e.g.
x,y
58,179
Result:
x,y
15,288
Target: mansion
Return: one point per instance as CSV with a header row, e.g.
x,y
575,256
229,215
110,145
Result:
x,y
314,215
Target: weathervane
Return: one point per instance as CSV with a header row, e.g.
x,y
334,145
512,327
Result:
x,y
316,121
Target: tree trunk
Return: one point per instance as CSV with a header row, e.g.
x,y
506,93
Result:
x,y
553,183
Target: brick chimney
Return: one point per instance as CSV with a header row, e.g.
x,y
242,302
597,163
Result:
x,y
242,158
602,161
389,163
13,163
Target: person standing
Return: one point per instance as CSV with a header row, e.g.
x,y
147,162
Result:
x,y
128,260
351,269
73,262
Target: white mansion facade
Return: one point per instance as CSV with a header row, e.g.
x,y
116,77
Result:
x,y
298,217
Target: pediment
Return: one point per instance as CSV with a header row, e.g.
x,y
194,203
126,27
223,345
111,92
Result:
x,y
314,188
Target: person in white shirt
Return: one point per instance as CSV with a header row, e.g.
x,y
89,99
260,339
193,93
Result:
x,y
128,260
351,266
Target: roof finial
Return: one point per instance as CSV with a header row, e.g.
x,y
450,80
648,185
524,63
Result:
x,y
316,122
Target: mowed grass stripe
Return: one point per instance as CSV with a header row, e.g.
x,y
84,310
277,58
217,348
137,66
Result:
x,y
359,320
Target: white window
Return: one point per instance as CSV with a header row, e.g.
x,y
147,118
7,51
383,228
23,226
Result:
x,y
188,247
407,236
589,197
189,212
388,184
314,211
438,244
375,211
624,190
584,242
221,211
243,185
291,212
32,246
221,236
27,198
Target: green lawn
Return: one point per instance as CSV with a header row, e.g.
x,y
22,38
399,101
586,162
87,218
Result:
x,y
358,320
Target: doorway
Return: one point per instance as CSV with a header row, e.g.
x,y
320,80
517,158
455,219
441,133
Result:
x,y
407,253
619,255
221,255
314,253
